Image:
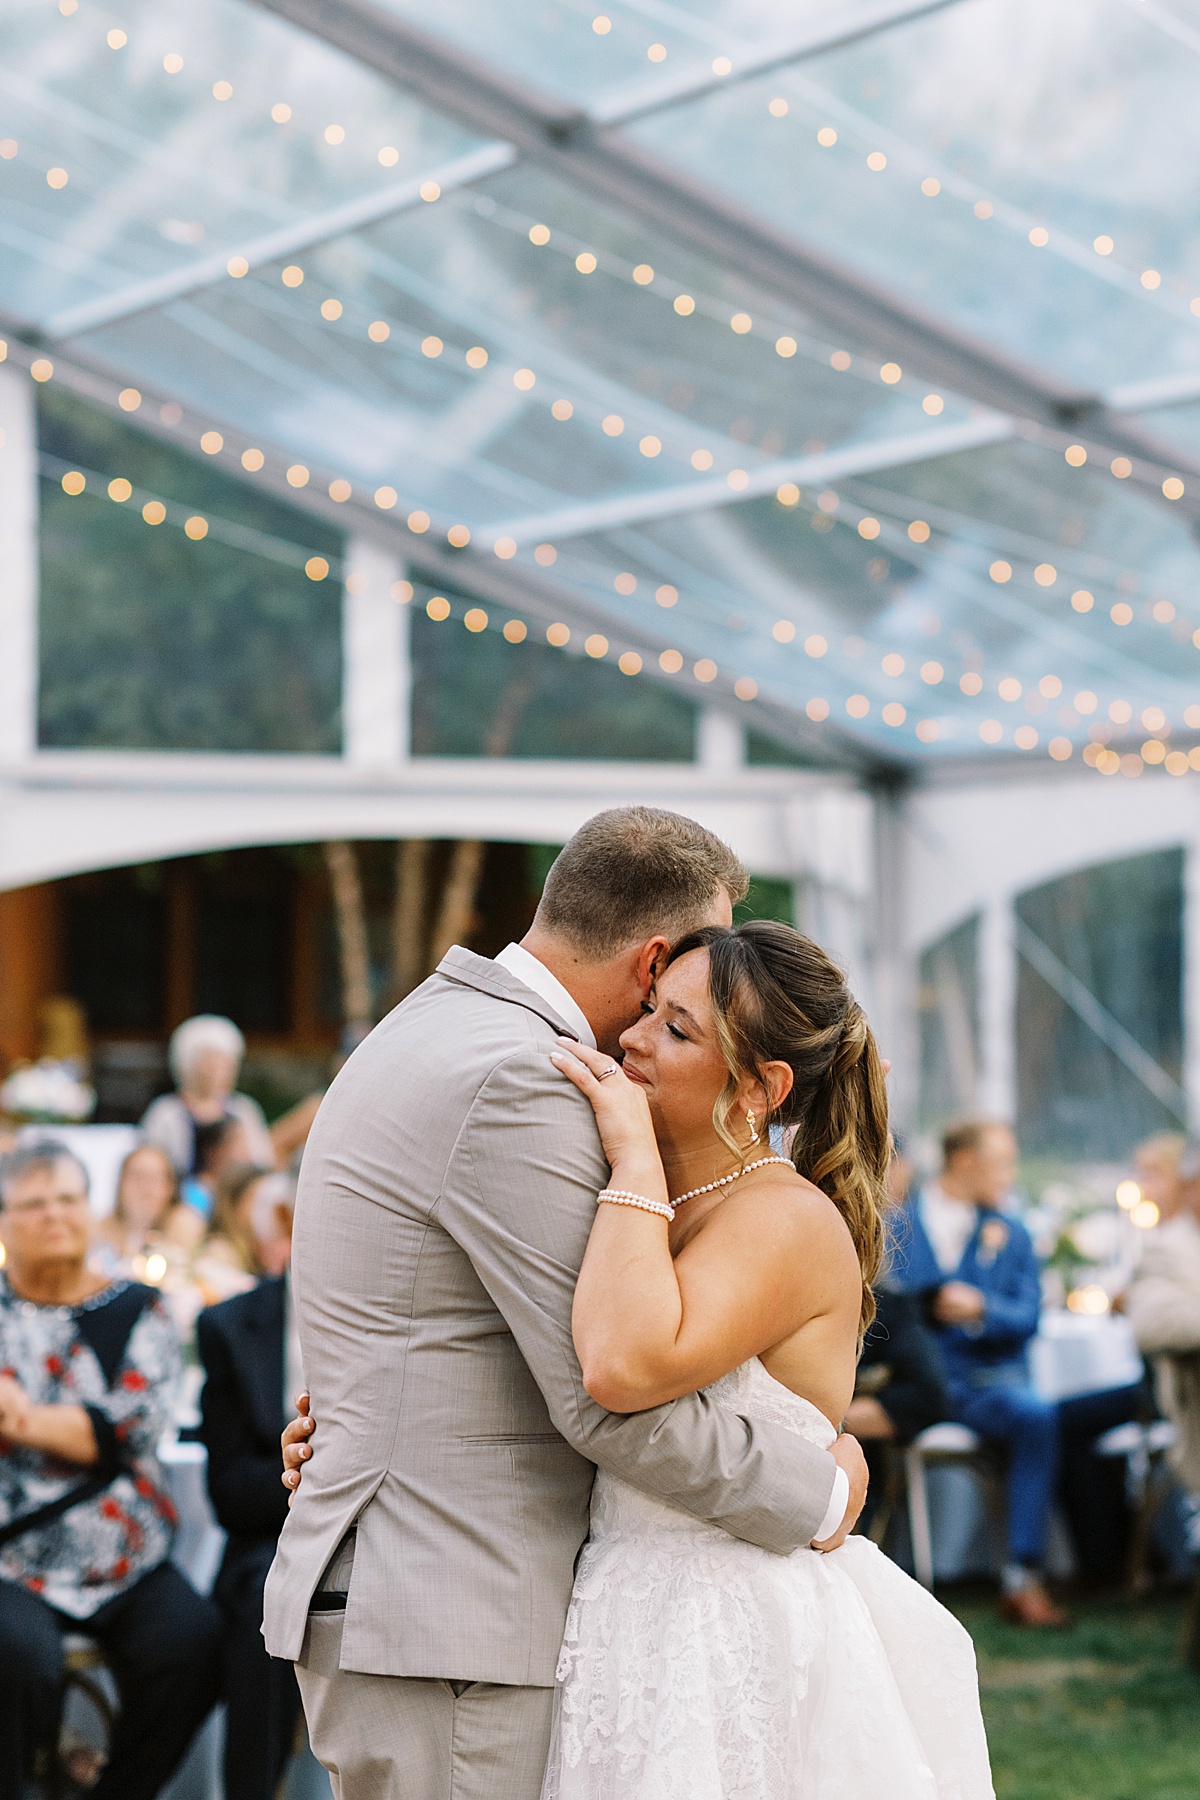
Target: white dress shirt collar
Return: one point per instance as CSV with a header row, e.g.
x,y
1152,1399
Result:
x,y
548,987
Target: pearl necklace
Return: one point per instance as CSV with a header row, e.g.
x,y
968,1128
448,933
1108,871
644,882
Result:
x,y
725,1180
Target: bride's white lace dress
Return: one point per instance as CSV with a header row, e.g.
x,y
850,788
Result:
x,y
698,1667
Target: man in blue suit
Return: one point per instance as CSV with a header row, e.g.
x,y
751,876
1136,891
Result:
x,y
977,1271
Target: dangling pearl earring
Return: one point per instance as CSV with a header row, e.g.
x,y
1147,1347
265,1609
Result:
x,y
752,1122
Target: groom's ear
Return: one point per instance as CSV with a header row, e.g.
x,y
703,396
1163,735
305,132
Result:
x,y
651,961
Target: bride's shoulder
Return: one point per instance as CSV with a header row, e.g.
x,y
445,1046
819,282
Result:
x,y
782,1208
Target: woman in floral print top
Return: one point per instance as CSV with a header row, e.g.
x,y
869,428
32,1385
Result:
x,y
103,1544
88,1371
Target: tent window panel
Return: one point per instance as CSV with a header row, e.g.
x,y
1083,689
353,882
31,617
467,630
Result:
x,y
153,640
948,1013
1118,928
474,694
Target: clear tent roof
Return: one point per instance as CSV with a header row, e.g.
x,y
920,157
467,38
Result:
x,y
847,356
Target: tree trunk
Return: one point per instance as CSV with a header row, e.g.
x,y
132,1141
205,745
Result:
x,y
408,916
457,911
351,916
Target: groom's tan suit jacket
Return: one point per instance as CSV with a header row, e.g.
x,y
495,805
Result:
x,y
445,1200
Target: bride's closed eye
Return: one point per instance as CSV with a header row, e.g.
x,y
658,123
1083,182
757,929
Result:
x,y
650,1007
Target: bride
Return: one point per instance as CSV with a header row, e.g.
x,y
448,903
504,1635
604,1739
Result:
x,y
696,1666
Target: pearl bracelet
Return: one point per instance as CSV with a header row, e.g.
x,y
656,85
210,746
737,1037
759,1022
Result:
x,y
622,1197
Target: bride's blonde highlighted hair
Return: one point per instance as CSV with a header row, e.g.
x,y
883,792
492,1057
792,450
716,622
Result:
x,y
777,997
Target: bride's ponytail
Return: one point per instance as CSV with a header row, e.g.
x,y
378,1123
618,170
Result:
x,y
843,1145
777,997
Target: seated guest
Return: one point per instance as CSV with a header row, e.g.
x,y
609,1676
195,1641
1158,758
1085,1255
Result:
x,y
88,1369
977,1271
1163,1306
228,1262
220,1145
900,1388
205,1054
251,1355
1157,1165
148,1216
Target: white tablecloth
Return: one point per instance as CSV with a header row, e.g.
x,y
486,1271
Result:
x,y
1078,1353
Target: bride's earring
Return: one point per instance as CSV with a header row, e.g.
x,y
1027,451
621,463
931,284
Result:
x,y
752,1122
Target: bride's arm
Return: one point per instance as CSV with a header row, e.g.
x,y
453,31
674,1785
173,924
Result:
x,y
649,1328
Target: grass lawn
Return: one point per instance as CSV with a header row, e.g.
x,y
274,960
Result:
x,y
1102,1711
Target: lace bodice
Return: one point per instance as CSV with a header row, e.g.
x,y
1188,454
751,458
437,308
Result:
x,y
619,1510
753,1391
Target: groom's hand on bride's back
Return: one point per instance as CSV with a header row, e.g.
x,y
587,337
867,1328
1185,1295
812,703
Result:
x,y
295,1443
848,1455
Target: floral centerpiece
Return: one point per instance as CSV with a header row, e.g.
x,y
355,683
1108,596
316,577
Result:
x,y
47,1093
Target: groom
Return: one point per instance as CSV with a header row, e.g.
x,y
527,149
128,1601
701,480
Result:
x,y
448,1187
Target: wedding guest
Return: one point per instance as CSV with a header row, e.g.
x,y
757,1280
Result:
x,y
205,1054
1163,1306
89,1369
1157,1165
148,1216
250,1349
243,1244
900,1389
975,1268
220,1145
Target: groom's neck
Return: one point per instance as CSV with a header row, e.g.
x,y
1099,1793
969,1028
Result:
x,y
604,991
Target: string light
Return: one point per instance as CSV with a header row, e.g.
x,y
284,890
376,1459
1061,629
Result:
x,y
743,324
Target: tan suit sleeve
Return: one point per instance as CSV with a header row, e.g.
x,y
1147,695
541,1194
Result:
x,y
519,1199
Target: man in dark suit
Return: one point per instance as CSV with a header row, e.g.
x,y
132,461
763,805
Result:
x,y
244,1347
900,1388
975,1267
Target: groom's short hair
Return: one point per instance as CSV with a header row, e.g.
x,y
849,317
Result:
x,y
634,872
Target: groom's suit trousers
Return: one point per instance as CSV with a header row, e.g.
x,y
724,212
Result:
x,y
396,1737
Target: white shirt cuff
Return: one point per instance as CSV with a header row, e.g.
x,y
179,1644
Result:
x,y
838,1501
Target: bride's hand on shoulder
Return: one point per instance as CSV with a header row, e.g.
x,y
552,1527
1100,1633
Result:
x,y
620,1106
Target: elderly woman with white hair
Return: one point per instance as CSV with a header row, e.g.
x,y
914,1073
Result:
x,y
205,1054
